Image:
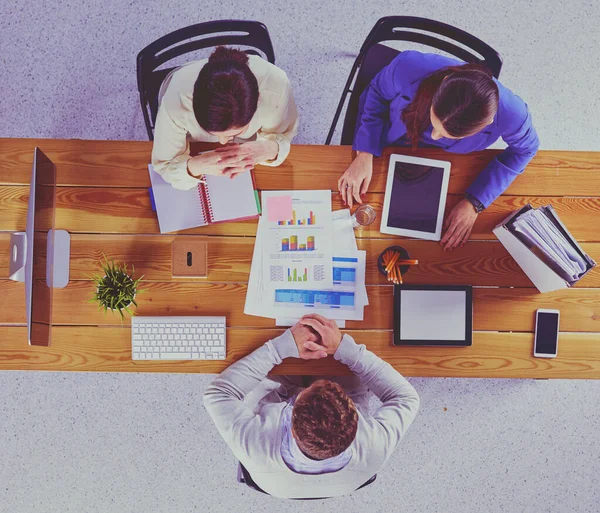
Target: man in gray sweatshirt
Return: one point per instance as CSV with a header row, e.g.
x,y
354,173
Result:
x,y
318,441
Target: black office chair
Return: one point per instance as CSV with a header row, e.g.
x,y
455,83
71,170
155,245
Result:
x,y
245,478
251,34
374,56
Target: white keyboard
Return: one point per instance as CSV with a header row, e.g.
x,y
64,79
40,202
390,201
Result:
x,y
178,338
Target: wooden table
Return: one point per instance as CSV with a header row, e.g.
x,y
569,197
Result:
x,y
102,200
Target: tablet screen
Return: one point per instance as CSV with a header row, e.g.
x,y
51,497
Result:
x,y
433,315
415,197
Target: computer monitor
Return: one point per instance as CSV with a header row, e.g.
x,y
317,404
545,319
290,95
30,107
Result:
x,y
40,256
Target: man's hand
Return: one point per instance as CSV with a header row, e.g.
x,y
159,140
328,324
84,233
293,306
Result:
x,y
356,179
253,152
328,331
212,163
304,335
458,225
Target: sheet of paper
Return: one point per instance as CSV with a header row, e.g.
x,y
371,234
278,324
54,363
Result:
x,y
297,252
348,268
175,209
232,198
279,208
290,321
343,232
344,300
432,314
256,293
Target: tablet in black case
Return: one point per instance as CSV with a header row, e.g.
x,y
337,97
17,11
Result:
x,y
433,315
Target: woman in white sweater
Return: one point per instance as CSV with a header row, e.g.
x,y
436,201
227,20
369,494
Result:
x,y
231,97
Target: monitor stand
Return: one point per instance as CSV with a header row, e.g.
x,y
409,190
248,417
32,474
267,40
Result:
x,y
58,253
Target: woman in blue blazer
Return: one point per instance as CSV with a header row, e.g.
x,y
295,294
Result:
x,y
431,100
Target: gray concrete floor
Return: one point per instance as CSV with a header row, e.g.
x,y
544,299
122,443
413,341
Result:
x,y
114,443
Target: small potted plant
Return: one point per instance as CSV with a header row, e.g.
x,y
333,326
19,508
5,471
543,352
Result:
x,y
115,288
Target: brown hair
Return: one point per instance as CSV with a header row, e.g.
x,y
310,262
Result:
x,y
226,91
324,420
464,98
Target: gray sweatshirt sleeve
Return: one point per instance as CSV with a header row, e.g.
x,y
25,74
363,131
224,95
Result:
x,y
400,400
239,426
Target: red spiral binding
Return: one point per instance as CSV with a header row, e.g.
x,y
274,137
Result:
x,y
207,211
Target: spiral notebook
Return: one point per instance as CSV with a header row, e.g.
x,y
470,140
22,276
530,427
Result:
x,y
219,200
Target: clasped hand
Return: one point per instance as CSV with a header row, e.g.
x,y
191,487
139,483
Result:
x,y
232,159
316,337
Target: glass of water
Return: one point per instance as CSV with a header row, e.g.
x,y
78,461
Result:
x,y
363,216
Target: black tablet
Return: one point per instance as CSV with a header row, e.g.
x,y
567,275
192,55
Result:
x,y
433,315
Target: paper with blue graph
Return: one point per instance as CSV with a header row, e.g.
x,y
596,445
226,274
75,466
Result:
x,y
297,246
345,299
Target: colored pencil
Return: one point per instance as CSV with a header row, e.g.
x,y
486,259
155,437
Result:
x,y
392,262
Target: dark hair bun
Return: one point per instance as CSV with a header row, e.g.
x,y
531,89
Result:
x,y
226,91
224,54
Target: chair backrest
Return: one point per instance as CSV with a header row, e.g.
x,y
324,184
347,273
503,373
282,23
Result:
x,y
245,478
374,56
250,34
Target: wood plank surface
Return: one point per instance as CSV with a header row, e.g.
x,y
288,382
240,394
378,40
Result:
x,y
229,259
97,163
495,355
128,211
493,309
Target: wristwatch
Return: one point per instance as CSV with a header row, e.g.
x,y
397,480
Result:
x,y
477,205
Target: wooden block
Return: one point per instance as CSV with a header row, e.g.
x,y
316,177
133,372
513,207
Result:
x,y
189,257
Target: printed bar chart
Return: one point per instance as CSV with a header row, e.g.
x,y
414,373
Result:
x,y
291,243
308,221
293,275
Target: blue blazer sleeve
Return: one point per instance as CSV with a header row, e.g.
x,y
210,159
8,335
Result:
x,y
386,85
523,143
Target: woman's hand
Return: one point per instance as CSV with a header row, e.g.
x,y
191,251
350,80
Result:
x,y
253,152
355,181
211,163
458,225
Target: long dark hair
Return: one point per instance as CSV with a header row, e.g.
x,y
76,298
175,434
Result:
x,y
226,91
464,98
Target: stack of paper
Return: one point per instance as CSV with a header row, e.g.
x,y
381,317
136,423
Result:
x,y
538,228
305,260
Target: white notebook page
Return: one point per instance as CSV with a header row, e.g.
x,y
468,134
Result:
x,y
176,210
231,198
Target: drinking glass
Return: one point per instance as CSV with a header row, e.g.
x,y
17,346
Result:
x,y
363,216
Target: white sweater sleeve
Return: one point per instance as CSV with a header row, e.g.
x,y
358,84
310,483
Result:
x,y
240,427
400,400
171,151
281,125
